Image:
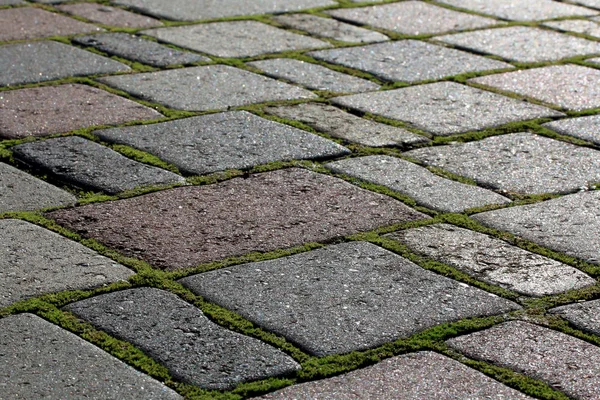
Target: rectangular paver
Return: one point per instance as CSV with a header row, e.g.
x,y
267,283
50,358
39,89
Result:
x,y
585,316
586,128
106,15
518,10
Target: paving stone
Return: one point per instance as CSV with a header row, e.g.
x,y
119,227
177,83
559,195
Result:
x,y
493,260
412,18
22,192
416,376
594,60
340,124
518,162
139,49
585,316
235,38
20,63
30,22
191,10
178,335
569,224
55,109
564,362
11,2
517,10
36,261
109,15
523,43
330,28
314,76
408,60
187,88
572,87
576,25
445,108
216,142
44,361
586,128
426,188
589,3
187,226
370,296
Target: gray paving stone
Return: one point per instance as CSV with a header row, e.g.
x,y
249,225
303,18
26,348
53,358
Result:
x,y
369,296
586,128
191,10
178,335
106,15
412,18
445,108
314,76
589,3
517,10
564,362
188,88
572,87
22,192
594,60
426,188
330,28
139,49
518,162
569,224
408,60
523,43
216,142
493,260
416,376
340,124
20,63
36,261
235,38
44,361
576,25
585,316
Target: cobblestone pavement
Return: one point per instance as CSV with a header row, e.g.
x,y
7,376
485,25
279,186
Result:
x,y
300,199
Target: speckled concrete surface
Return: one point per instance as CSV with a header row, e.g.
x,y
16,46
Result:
x,y
109,15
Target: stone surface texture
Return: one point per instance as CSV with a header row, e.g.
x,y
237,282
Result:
x,y
586,27
585,316
106,15
586,128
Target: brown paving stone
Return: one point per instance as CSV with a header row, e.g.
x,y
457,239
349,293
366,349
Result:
x,y
187,226
110,15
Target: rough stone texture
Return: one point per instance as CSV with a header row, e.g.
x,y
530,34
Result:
x,y
412,18
445,108
426,188
340,124
44,361
586,128
576,25
109,15
138,49
416,376
210,87
493,260
30,22
569,224
594,60
216,142
314,76
35,261
179,336
20,63
589,3
22,192
235,38
330,28
346,297
408,60
572,87
187,226
585,316
55,109
564,362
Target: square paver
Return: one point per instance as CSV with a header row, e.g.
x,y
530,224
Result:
x,y
408,60
178,335
569,224
587,27
235,38
586,128
187,226
106,15
584,316
523,43
216,142
445,108
211,87
412,18
55,109
370,296
572,87
20,63
426,188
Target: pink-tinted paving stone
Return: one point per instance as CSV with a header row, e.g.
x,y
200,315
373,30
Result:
x,y
28,23
109,15
56,109
187,226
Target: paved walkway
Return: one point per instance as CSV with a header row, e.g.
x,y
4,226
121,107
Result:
x,y
300,199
